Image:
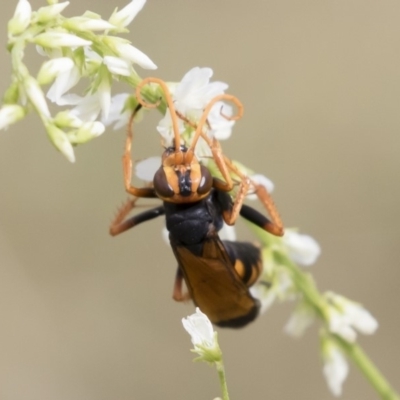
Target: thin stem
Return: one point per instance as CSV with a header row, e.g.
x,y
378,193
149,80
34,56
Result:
x,y
368,368
222,379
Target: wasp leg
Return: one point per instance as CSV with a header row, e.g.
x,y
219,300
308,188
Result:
x,y
260,220
120,225
127,164
177,294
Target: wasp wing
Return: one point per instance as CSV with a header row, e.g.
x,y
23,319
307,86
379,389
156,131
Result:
x,y
215,286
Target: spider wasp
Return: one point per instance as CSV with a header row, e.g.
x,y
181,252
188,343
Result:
x,y
217,273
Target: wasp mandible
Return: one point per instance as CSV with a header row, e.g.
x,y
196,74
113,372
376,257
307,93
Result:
x,y
217,273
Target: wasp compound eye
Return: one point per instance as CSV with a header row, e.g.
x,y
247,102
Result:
x,y
161,184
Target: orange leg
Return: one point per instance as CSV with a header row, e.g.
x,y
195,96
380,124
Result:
x,y
177,294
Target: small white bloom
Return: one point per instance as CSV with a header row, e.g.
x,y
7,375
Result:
x,y
228,232
87,24
36,97
302,317
124,17
146,169
119,111
61,142
165,129
346,316
271,287
200,329
55,39
52,68
195,90
65,119
21,19
104,93
221,128
87,108
262,180
47,13
131,53
87,131
302,249
65,80
9,114
335,368
118,66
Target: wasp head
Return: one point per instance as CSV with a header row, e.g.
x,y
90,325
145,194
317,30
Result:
x,y
181,178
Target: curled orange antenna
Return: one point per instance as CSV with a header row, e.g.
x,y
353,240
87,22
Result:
x,y
169,101
206,112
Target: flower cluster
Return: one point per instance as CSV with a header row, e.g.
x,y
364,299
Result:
x,y
82,47
283,280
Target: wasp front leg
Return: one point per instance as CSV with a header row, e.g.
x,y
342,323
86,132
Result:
x,y
120,224
127,164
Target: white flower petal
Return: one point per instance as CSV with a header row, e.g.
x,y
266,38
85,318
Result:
x,y
302,249
36,97
21,18
88,24
47,13
88,109
341,325
146,169
134,55
263,181
118,66
125,16
299,321
52,68
65,81
200,329
335,370
53,39
228,232
9,114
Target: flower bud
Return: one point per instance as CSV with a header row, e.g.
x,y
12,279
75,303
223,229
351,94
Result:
x,y
9,114
21,19
54,39
60,141
46,14
52,68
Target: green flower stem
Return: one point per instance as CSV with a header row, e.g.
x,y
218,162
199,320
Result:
x,y
222,379
368,368
305,284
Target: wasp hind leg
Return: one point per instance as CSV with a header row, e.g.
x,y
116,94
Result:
x,y
177,294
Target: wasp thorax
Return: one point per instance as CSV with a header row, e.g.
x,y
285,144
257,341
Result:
x,y
181,178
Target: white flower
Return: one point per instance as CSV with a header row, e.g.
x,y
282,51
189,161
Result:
x,y
146,169
335,367
165,129
60,141
118,66
220,127
120,111
87,24
53,68
302,317
200,330
195,91
53,39
21,19
228,232
47,13
261,180
346,317
128,52
87,108
9,114
271,287
302,249
124,17
36,97
65,80
87,131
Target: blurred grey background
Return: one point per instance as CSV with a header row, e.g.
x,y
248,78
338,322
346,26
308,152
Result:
x,y
89,317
